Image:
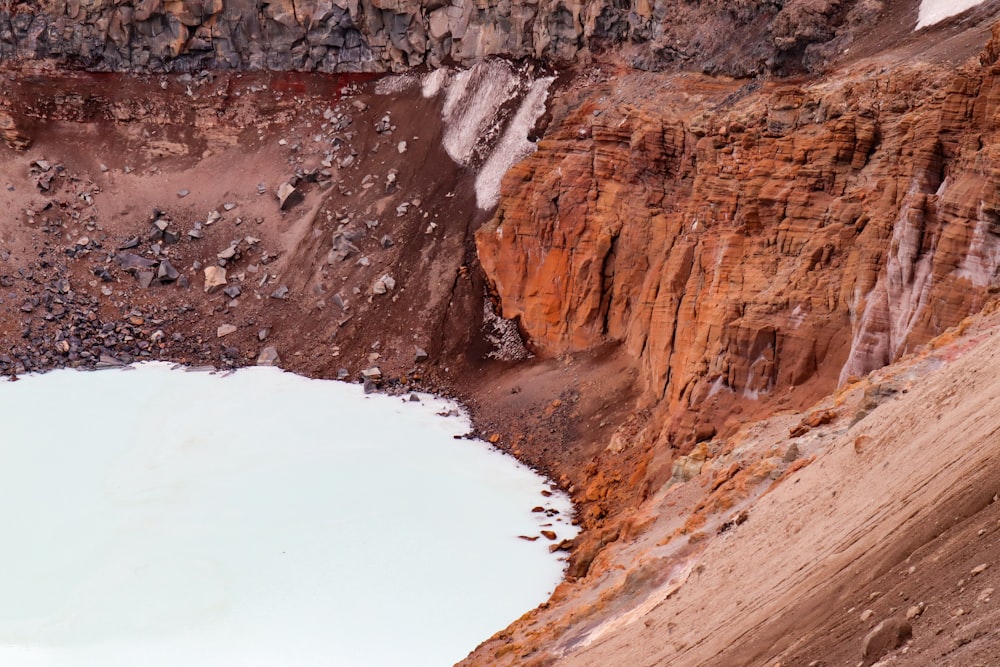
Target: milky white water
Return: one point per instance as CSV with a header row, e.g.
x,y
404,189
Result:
x,y
933,11
161,517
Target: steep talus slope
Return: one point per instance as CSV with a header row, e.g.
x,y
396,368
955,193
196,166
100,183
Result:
x,y
892,511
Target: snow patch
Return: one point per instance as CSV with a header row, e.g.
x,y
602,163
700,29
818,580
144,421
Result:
x,y
514,146
434,82
395,84
934,11
472,103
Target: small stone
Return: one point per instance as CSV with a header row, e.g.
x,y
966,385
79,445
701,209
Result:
x,y
62,347
131,262
228,206
215,277
288,196
183,193
984,595
232,291
979,569
225,330
413,398
280,293
386,241
549,534
145,278
263,334
261,189
228,253
401,147
372,373
83,241
915,611
867,614
419,354
268,357
166,273
343,374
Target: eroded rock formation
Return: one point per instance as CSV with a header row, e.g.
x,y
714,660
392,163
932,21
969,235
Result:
x,y
380,35
742,241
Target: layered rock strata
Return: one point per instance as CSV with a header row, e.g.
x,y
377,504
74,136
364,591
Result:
x,y
744,240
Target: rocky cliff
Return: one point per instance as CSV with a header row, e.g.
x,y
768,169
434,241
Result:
x,y
743,38
752,244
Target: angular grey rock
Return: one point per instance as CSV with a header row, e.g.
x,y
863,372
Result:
x,y
232,291
419,354
280,293
166,273
131,262
225,330
341,250
145,278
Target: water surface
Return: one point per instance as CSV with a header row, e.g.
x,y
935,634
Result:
x,y
162,517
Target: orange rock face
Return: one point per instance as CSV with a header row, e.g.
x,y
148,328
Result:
x,y
747,239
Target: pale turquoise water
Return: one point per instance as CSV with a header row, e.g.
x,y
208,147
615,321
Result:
x,y
159,517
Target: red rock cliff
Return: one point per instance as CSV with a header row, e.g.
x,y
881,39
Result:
x,y
744,239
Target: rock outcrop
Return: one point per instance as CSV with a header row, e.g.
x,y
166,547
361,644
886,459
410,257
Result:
x,y
744,240
381,35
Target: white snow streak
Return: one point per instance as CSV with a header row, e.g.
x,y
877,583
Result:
x,y
933,11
